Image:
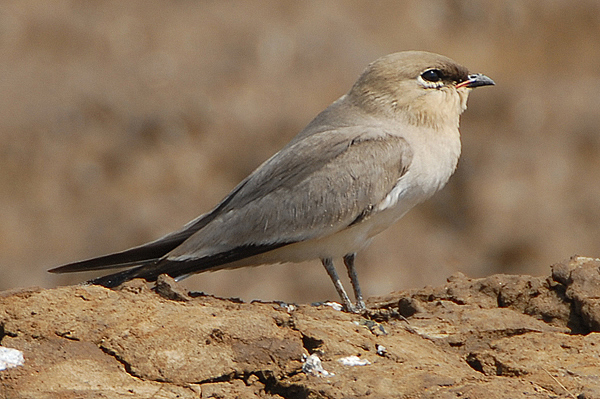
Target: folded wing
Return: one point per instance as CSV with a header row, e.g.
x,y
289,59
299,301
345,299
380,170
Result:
x,y
312,188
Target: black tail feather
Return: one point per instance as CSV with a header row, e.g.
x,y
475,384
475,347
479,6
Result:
x,y
146,254
143,254
116,279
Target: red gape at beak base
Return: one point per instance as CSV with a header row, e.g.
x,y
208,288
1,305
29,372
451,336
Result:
x,y
476,80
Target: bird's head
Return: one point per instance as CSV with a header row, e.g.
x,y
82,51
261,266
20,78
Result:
x,y
419,87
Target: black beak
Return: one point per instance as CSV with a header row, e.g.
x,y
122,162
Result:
x,y
476,80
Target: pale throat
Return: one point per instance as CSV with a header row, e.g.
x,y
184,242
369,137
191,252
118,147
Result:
x,y
440,109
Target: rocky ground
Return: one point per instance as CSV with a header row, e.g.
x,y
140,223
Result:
x,y
503,336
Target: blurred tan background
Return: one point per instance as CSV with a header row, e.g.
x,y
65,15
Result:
x,y
122,120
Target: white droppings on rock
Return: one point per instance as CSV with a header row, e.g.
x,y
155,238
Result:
x,y
10,358
312,365
353,361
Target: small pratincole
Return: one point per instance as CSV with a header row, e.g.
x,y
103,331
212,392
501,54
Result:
x,y
388,144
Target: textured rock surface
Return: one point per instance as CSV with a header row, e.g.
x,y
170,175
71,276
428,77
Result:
x,y
496,337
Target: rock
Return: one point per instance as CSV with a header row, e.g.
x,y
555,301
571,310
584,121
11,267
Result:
x,y
495,337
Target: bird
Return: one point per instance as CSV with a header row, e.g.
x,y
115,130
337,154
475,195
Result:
x,y
386,145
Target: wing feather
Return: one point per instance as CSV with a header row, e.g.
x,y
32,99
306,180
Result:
x,y
312,188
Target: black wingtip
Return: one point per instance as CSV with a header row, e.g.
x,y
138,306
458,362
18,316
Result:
x,y
101,263
150,269
143,254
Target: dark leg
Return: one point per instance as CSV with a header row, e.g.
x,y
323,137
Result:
x,y
349,262
328,263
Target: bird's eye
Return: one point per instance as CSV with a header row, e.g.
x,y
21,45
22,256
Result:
x,y
432,75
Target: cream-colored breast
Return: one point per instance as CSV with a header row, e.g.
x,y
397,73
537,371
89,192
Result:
x,y
432,165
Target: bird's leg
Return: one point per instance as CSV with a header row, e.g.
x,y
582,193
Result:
x,y
328,263
349,262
